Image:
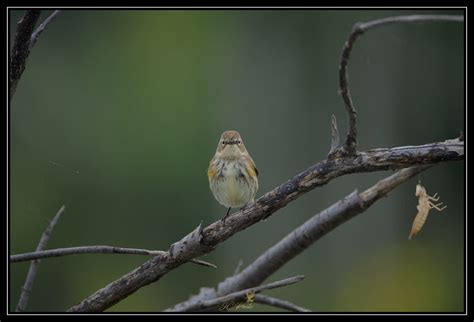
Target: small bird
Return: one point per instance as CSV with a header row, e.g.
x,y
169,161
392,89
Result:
x,y
233,176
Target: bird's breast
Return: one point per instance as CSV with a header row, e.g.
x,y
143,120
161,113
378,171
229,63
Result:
x,y
232,185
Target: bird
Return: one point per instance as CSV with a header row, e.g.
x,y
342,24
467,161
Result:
x,y
233,176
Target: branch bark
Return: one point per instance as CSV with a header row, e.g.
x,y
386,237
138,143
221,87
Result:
x,y
302,237
350,145
202,241
25,39
30,277
21,47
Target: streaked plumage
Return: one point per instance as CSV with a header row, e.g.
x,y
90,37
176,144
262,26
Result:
x,y
233,176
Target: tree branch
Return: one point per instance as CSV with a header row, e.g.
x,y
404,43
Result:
x,y
334,137
312,230
40,29
21,47
202,241
93,250
25,39
267,300
30,277
237,268
350,145
303,237
238,296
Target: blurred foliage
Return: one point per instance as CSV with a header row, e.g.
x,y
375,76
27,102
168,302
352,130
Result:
x,y
118,114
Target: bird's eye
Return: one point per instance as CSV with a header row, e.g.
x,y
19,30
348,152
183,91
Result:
x,y
223,142
238,141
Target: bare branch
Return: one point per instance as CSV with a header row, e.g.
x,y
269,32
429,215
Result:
x,y
350,146
216,233
40,29
30,277
202,263
363,27
312,230
267,300
237,268
238,296
202,241
101,249
21,47
334,137
81,250
304,236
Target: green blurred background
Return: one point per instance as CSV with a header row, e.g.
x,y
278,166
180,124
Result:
x,y
119,112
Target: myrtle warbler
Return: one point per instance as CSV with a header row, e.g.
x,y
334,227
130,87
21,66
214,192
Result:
x,y
232,173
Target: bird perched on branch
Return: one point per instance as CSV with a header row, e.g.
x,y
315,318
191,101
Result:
x,y
233,176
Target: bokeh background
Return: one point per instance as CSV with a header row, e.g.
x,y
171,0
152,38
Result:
x,y
119,112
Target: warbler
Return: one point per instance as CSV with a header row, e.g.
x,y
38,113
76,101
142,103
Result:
x,y
233,176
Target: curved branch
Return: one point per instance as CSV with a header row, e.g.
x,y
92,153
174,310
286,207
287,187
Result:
x,y
202,241
302,237
350,145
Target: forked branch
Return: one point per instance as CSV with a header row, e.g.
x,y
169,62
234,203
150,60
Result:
x,y
202,241
303,237
350,145
24,41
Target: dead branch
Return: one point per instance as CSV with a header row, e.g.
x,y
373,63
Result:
x,y
21,47
30,277
272,301
237,296
25,39
100,249
302,237
202,241
40,29
350,145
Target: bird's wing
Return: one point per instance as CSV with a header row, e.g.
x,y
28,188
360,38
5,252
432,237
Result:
x,y
251,168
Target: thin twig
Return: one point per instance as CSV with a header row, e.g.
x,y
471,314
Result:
x,y
28,286
237,268
40,29
334,137
100,249
207,239
350,146
303,237
272,301
235,297
202,263
21,47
